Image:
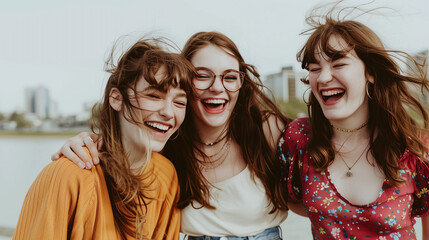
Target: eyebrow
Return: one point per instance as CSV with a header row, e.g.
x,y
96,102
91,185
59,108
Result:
x,y
340,56
153,88
335,58
204,68
181,95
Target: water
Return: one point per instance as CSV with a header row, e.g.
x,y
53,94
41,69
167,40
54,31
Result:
x,y
22,158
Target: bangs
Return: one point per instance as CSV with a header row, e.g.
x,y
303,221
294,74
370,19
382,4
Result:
x,y
175,71
319,44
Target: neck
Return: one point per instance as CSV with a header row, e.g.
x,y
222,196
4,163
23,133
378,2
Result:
x,y
136,155
354,123
211,135
347,141
350,130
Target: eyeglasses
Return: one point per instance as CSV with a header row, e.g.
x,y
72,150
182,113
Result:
x,y
232,80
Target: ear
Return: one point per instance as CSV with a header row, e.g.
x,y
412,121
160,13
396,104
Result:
x,y
369,78
115,99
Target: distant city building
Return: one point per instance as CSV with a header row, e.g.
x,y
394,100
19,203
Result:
x,y
421,57
286,84
38,102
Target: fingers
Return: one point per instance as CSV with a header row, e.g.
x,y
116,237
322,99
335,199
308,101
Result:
x,y
80,152
74,150
92,147
98,140
69,153
56,156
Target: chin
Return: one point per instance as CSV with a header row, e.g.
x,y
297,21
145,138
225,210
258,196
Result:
x,y
157,146
332,115
216,122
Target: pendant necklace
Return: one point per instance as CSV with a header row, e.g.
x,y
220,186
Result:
x,y
349,172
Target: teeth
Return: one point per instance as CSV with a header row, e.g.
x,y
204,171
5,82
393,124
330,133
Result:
x,y
158,125
331,92
215,101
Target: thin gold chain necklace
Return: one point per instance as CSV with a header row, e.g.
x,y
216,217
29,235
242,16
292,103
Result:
x,y
349,172
216,160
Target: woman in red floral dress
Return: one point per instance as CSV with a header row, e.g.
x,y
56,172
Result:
x,y
358,163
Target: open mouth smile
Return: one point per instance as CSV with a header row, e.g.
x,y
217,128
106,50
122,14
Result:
x,y
331,96
159,127
214,105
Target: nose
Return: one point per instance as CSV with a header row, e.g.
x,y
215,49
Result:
x,y
167,110
217,85
325,75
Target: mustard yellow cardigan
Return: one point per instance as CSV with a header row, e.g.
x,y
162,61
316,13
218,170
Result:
x,y
66,202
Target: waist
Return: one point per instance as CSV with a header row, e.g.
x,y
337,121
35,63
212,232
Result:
x,y
273,233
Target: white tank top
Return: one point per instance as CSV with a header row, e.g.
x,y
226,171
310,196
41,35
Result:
x,y
242,209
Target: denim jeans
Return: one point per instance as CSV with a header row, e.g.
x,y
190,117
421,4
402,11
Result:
x,y
268,234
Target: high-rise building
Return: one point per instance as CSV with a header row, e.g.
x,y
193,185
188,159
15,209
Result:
x,y
286,84
38,102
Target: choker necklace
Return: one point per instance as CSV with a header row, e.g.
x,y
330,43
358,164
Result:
x,y
351,130
216,160
349,172
215,142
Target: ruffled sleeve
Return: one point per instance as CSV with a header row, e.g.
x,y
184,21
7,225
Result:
x,y
292,146
421,191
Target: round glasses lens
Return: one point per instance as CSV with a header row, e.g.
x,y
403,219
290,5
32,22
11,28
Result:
x,y
203,80
232,80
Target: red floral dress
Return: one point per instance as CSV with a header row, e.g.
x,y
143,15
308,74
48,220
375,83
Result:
x,y
390,216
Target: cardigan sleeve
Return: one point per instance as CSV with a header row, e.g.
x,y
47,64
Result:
x,y
59,204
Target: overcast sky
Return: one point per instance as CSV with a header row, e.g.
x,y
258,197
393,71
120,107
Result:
x,y
63,45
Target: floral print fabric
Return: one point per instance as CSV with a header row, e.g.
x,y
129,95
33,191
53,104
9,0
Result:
x,y
390,216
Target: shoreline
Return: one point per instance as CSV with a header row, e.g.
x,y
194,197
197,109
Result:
x,y
40,134
6,231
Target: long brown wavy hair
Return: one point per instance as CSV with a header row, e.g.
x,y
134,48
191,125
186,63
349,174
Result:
x,y
392,128
245,126
126,188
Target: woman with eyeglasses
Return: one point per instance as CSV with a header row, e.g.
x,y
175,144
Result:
x,y
133,193
225,153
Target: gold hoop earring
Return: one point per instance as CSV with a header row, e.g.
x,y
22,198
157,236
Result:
x,y
306,100
367,90
175,137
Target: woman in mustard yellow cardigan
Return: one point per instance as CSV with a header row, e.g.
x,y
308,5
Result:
x,y
133,193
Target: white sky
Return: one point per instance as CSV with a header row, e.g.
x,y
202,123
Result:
x,y
63,45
